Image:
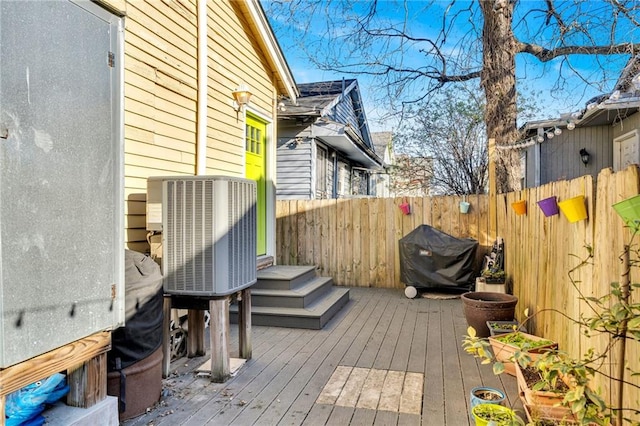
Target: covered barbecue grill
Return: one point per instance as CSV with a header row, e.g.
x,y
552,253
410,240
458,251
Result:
x,y
430,259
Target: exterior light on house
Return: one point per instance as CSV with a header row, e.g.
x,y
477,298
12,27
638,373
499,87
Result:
x,y
557,131
540,139
585,156
241,96
550,134
571,125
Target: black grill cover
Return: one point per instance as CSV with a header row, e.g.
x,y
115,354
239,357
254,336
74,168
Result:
x,y
429,258
142,333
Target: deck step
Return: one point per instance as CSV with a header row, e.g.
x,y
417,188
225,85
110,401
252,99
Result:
x,y
301,296
293,296
284,277
314,316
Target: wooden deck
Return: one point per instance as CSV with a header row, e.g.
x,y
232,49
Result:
x,y
380,331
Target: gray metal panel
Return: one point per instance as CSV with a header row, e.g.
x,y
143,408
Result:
x,y
61,202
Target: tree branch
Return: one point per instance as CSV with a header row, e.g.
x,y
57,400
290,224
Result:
x,y
544,55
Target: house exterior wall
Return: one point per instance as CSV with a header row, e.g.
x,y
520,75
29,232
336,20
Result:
x,y
560,158
160,120
294,163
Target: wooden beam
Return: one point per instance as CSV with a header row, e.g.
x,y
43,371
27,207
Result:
x,y
88,382
220,367
64,358
195,336
244,324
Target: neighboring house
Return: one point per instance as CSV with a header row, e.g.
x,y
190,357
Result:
x,y
411,176
383,146
180,117
606,133
325,149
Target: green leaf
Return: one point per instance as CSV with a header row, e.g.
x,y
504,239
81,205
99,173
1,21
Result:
x,y
498,368
471,331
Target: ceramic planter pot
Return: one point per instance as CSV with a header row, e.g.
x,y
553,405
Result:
x,y
504,351
498,415
485,395
480,307
537,398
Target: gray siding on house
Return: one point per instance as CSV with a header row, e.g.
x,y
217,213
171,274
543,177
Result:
x,y
294,169
560,156
627,125
345,112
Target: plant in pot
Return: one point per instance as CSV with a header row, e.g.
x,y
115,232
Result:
x,y
495,415
494,276
504,327
506,346
503,350
555,387
485,395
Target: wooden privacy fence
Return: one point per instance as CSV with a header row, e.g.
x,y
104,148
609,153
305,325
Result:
x,y
543,253
355,241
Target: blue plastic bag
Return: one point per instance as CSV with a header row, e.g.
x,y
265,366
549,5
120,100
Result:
x,y
24,406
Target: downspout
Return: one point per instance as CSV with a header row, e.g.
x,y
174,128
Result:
x,y
201,118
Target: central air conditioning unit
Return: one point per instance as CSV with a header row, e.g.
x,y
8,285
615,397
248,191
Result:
x,y
209,237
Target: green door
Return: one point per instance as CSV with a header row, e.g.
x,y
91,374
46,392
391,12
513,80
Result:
x,y
255,145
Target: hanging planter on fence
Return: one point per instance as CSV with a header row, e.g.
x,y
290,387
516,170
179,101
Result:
x,y
549,206
574,208
520,207
405,207
629,211
464,207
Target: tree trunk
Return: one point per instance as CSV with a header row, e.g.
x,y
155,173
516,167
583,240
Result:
x,y
499,85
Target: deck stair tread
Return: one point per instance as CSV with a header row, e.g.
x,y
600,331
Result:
x,y
295,297
300,296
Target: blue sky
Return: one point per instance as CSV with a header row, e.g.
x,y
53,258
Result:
x,y
539,77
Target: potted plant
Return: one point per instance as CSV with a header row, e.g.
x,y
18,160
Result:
x,y
555,387
480,307
485,395
498,415
504,327
494,276
506,347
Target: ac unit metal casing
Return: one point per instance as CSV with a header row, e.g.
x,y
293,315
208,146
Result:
x,y
208,235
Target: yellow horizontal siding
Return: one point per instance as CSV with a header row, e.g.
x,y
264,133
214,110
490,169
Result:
x,y
161,94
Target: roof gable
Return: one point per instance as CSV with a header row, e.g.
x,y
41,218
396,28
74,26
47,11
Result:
x,y
267,39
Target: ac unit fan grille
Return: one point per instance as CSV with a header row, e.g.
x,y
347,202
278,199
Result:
x,y
209,236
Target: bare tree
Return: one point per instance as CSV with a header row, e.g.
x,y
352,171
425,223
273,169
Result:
x,y
353,37
449,130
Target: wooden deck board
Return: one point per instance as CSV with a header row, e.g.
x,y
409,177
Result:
x,y
380,332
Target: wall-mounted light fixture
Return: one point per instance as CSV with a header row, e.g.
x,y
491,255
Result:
x,y
585,156
241,97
